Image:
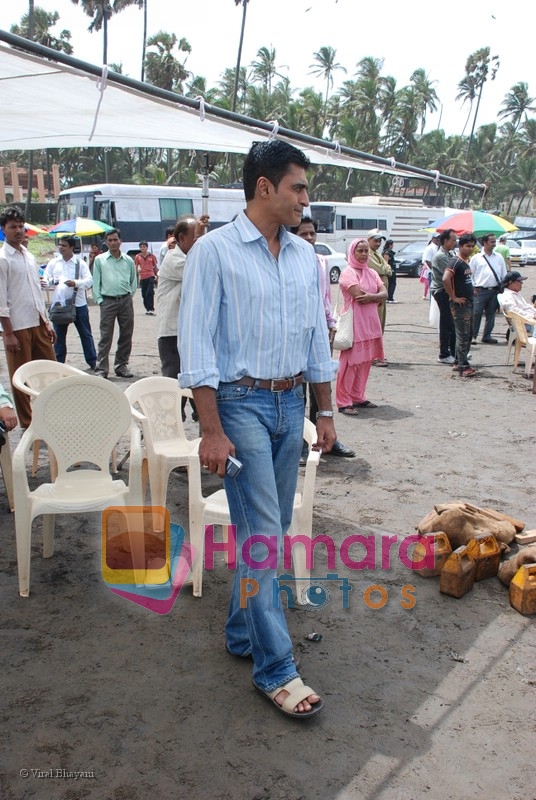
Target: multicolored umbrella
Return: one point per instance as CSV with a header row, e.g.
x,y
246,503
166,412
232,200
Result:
x,y
80,226
477,222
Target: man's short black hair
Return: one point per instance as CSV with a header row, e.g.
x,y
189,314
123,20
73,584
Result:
x,y
71,240
467,238
271,160
486,236
310,220
169,232
446,235
10,213
113,232
144,242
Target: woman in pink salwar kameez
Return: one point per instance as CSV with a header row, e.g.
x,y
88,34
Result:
x,y
363,288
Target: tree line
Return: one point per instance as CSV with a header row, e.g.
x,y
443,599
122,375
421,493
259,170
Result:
x,y
370,112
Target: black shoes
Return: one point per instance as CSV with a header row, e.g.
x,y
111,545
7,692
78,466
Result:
x,y
490,341
340,449
124,372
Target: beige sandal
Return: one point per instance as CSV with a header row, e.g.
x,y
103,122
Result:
x,y
298,692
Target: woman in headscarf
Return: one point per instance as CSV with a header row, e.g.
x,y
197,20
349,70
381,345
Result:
x,y
363,289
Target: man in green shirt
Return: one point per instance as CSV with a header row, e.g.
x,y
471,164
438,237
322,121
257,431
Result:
x,y
114,285
503,249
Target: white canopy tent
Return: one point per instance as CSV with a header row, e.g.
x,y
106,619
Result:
x,y
59,102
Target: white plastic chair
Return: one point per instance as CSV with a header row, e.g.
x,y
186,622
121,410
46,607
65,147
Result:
x,y
215,510
512,336
81,418
7,470
522,340
31,378
166,445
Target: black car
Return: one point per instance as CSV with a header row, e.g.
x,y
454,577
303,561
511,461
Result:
x,y
409,259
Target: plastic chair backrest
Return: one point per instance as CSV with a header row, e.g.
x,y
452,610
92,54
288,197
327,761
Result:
x,y
519,326
159,400
81,418
32,377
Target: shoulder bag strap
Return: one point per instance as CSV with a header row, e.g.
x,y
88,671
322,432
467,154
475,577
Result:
x,y
491,268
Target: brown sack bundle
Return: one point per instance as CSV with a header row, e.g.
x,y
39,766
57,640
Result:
x,y
462,521
508,568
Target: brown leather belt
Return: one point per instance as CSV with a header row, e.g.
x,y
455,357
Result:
x,y
277,385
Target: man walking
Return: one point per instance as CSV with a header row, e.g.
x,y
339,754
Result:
x,y
447,331
488,270
114,285
62,271
28,334
252,327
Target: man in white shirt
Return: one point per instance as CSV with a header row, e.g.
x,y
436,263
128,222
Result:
x,y
61,273
28,334
168,294
488,270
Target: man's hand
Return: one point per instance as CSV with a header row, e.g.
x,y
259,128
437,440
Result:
x,y
213,452
461,301
11,342
202,225
51,333
325,431
8,417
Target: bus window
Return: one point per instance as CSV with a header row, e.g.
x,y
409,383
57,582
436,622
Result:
x,y
340,223
171,208
102,211
324,215
382,224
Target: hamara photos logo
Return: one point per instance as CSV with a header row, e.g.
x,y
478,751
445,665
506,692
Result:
x,y
146,560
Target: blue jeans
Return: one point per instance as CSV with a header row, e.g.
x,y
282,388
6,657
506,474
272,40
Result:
x,y
267,431
83,327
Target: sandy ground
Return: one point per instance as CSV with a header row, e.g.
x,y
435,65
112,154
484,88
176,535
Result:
x,y
435,701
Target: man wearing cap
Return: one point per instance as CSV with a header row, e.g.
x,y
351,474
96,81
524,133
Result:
x,y
489,270
503,250
511,300
379,265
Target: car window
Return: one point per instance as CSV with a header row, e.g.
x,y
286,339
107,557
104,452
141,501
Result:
x,y
322,250
412,247
512,243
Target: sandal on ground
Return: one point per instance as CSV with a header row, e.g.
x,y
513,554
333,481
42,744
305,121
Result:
x,y
366,404
350,411
469,372
379,363
298,692
248,656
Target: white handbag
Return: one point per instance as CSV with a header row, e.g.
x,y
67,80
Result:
x,y
344,337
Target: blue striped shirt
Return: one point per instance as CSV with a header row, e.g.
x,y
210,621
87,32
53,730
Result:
x,y
244,312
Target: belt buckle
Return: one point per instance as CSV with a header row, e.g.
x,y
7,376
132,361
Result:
x,y
280,384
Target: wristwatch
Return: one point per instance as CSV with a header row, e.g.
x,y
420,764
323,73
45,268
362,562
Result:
x,y
324,414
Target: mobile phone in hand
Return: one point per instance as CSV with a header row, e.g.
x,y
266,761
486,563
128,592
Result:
x,y
232,467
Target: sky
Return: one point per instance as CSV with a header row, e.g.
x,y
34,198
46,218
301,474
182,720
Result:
x,y
406,35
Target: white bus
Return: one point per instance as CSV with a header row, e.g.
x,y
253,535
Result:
x,y
402,220
142,212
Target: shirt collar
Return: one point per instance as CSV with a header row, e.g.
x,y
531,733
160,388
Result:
x,y
249,232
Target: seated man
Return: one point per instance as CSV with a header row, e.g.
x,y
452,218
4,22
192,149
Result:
x,y
511,300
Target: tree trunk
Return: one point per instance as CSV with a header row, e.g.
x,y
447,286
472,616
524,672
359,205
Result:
x,y
144,45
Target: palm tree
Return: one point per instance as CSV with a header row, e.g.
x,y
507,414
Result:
x,y
425,95
100,11
477,68
467,94
264,69
162,68
324,67
516,104
40,22
144,43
